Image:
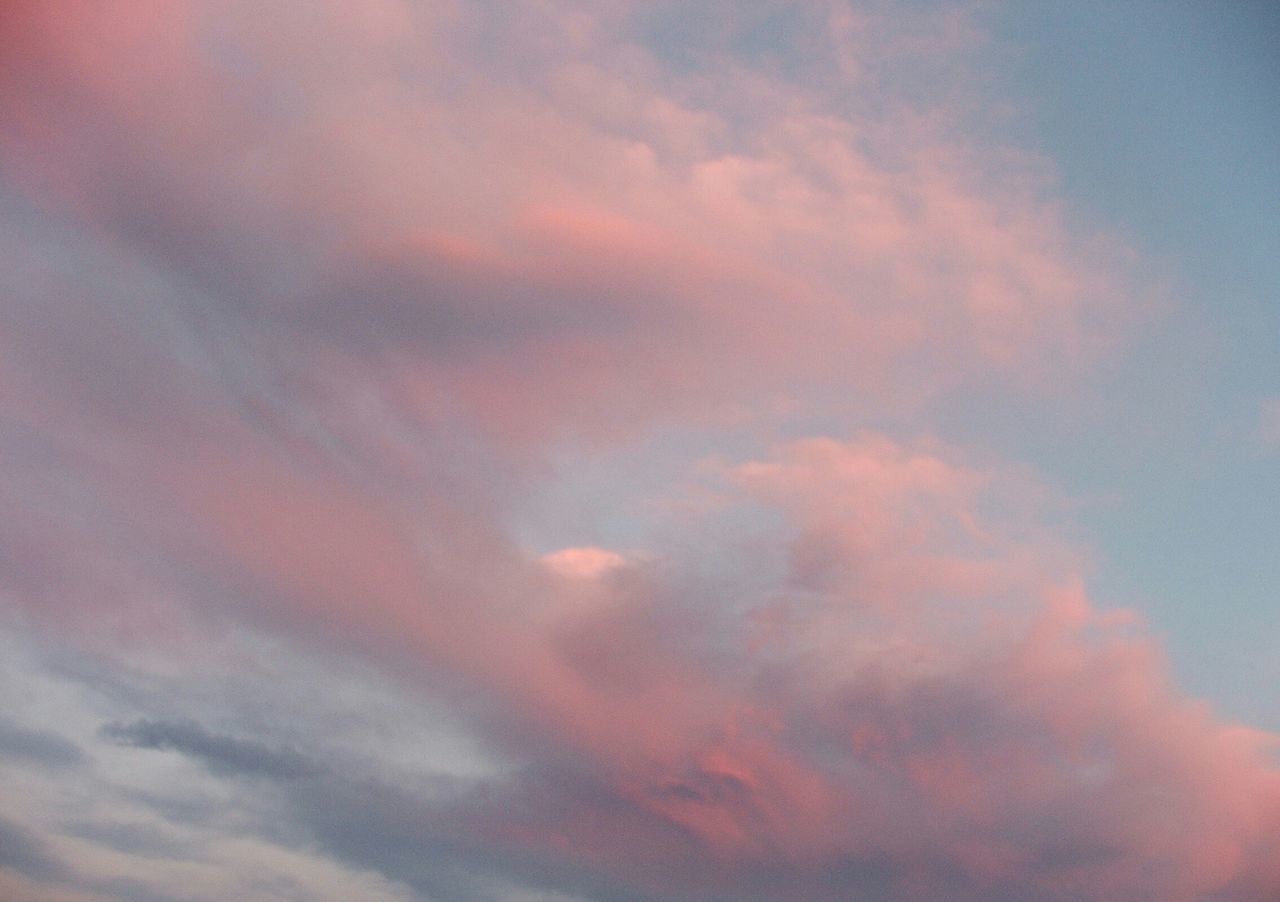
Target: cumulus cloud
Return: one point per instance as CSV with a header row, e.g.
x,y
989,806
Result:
x,y
920,700
941,712
312,300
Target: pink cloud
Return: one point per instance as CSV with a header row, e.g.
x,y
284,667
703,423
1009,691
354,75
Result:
x,y
646,243
389,271
938,702
583,563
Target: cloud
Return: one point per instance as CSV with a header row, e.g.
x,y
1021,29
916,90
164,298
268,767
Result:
x,y
583,563
38,746
140,839
223,755
24,852
311,302
658,244
939,713
920,699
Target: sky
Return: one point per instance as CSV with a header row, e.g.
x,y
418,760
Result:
x,y
626,452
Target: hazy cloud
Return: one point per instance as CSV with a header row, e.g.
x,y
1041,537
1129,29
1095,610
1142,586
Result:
x,y
37,746
223,755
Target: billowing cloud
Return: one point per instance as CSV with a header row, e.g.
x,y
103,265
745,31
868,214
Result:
x,y
312,301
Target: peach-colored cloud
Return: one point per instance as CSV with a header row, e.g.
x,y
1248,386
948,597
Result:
x,y
583,563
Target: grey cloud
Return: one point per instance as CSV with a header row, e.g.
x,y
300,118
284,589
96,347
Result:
x,y
27,854
142,840
223,755
425,300
37,746
125,888
441,846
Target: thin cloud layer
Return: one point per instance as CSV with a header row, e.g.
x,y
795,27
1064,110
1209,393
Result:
x,y
308,302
